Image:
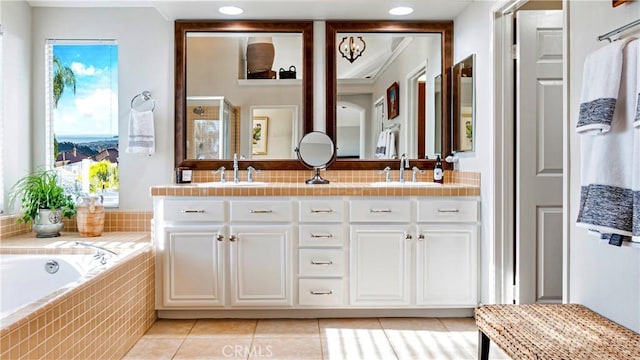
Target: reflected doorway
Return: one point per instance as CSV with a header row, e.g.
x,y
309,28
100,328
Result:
x,y
350,123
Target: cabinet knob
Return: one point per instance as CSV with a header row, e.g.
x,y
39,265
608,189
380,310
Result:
x,y
421,237
232,238
408,237
219,237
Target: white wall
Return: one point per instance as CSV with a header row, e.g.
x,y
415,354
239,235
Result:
x,y
146,53
602,277
472,35
16,92
280,137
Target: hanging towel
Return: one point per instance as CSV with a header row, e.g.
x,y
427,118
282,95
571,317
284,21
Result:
x,y
601,83
381,145
391,145
609,160
141,132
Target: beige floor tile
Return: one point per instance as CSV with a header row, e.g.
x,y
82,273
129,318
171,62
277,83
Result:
x,y
163,328
351,323
354,344
431,324
294,348
287,327
212,348
223,327
153,349
459,324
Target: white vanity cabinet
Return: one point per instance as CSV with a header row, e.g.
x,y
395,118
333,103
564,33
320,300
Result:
x,y
380,251
190,253
447,253
260,255
321,254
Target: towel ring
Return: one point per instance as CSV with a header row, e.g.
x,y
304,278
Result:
x,y
143,98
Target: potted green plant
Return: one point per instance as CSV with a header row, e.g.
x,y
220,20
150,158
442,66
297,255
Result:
x,y
43,202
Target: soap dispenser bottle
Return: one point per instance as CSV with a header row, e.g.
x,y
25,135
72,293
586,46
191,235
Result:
x,y
438,172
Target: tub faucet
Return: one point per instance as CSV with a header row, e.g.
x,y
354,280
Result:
x,y
404,163
235,168
100,251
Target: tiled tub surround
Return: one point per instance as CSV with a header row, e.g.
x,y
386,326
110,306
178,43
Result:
x,y
101,316
115,220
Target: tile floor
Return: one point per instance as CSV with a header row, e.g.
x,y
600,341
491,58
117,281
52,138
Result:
x,y
311,339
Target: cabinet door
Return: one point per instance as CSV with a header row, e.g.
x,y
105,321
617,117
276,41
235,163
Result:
x,y
194,263
447,265
260,265
380,264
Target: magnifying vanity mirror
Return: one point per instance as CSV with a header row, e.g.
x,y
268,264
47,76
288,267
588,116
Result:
x,y
398,86
464,102
230,96
316,151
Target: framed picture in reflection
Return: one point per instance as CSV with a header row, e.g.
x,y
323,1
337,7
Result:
x,y
259,133
393,101
615,3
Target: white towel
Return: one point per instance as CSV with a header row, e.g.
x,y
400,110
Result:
x,y
601,83
391,145
381,145
609,161
141,132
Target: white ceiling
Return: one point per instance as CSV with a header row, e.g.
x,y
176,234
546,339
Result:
x,y
282,9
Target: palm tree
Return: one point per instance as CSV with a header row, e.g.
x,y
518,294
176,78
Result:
x,y
62,76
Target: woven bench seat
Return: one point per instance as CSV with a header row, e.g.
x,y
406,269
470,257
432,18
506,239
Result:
x,y
553,331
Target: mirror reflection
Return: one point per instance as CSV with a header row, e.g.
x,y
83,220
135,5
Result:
x,y
244,94
463,102
386,95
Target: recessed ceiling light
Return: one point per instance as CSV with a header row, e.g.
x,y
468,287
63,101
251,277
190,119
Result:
x,y
230,10
401,10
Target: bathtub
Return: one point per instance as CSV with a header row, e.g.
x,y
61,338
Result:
x,y
25,280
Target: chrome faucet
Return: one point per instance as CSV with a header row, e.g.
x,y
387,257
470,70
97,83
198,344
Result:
x,y
100,251
235,168
250,171
221,170
387,174
404,163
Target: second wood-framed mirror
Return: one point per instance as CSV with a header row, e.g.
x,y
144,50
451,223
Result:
x,y
393,89
222,95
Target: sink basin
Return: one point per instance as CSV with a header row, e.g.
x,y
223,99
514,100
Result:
x,y
405,184
232,184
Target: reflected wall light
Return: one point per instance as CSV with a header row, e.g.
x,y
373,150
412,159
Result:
x,y
352,48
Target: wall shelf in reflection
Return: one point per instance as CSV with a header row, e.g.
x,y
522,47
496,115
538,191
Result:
x,y
269,82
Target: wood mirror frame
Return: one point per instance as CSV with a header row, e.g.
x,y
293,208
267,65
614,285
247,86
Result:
x,y
182,27
445,29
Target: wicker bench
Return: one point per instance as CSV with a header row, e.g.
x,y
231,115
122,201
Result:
x,y
553,331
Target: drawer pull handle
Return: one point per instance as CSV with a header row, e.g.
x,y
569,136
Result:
x,y
321,262
193,211
322,236
380,211
321,292
260,211
232,238
314,211
448,210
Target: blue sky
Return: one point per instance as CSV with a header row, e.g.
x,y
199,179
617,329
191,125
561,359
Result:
x,y
93,110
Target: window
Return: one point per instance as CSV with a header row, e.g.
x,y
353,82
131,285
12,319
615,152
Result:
x,y
82,116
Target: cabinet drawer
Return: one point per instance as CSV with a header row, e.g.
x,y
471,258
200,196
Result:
x,y
261,211
380,210
321,235
447,211
196,209
320,292
321,210
321,262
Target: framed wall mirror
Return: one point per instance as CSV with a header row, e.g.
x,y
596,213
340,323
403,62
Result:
x,y
228,81
388,79
463,122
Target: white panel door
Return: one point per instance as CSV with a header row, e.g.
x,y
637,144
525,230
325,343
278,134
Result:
x,y
446,265
539,110
260,265
194,266
380,264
